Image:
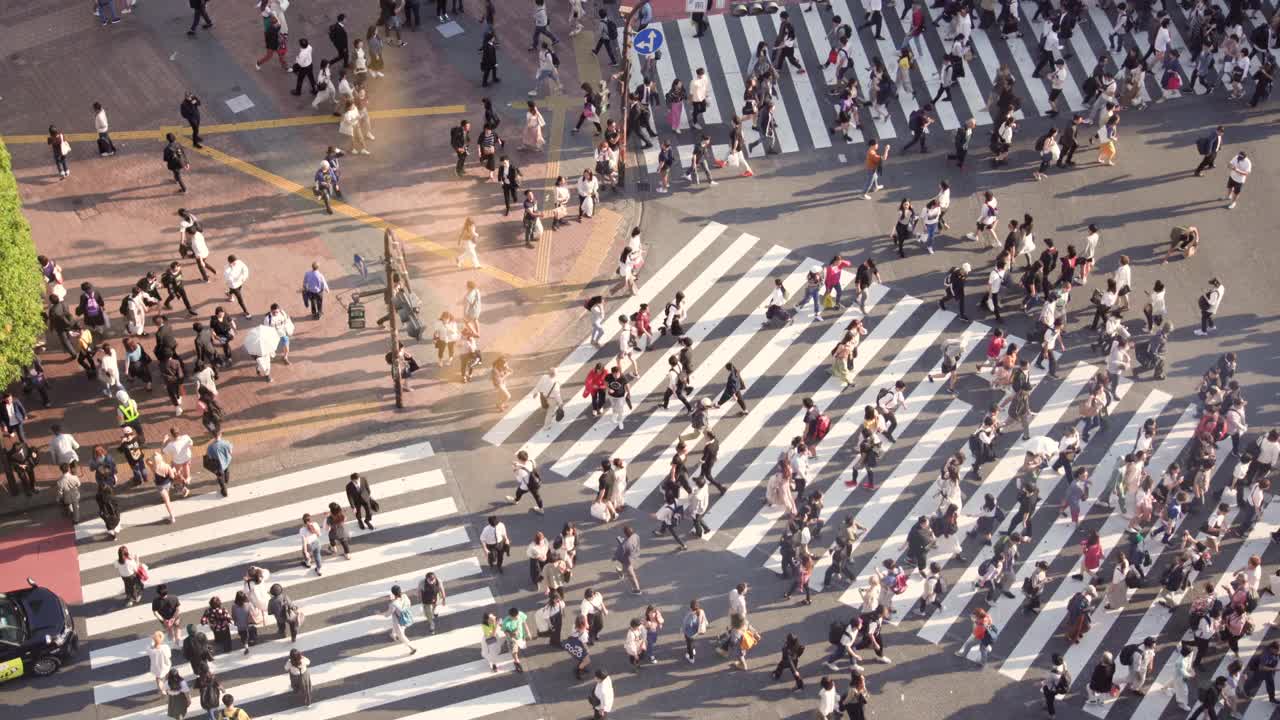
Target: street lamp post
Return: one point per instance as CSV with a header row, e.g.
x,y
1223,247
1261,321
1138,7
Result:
x,y
390,250
626,88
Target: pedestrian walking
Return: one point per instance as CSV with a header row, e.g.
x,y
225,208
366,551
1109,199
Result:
x,y
1240,167
198,13
400,611
496,542
160,657
1208,304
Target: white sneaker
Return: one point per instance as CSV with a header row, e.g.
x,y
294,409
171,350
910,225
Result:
x,y
1201,333
1229,207
879,187
371,137
884,660
866,197
713,183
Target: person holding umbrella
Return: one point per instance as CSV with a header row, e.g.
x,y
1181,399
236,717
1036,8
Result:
x,y
261,343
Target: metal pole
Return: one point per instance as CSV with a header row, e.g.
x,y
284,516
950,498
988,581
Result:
x,y
626,89
388,243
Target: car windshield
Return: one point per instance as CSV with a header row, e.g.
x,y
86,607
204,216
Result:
x,y
12,623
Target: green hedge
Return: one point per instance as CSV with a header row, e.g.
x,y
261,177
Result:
x,y
21,283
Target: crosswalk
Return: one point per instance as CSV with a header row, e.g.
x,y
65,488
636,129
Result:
x,y
806,109
781,365
355,667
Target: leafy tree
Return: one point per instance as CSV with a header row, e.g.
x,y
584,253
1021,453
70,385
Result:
x,y
21,284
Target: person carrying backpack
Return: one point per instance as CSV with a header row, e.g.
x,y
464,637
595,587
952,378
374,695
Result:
x,y
1141,660
841,637
175,158
1078,618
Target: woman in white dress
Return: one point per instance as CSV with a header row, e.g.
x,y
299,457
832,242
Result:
x,y
159,654
531,138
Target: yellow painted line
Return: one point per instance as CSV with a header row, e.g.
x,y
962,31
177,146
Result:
x,y
350,211
543,273
300,121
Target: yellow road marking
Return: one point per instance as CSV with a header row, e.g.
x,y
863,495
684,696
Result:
x,y
352,212
300,121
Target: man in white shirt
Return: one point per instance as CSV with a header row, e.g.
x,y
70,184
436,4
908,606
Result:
x,y
1057,81
676,385
302,67
527,481
1118,362
177,450
1090,251
1240,166
1268,455
874,18
602,695
496,543
235,275
888,402
1049,46
541,25
626,354
63,447
699,90
738,602
995,281
309,533
1209,303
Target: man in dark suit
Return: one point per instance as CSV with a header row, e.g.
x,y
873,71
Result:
x,y
509,178
360,498
197,12
190,111
166,341
460,141
338,36
1209,150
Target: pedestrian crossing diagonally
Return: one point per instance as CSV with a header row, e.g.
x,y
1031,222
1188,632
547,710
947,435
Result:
x,y
805,108
964,589
1021,659
355,665
1053,542
781,364
1153,705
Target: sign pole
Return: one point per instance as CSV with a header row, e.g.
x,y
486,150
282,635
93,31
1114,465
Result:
x,y
388,245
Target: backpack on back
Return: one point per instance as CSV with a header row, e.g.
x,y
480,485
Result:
x,y
835,632
1127,652
899,583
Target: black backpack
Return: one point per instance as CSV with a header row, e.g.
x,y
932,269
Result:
x,y
1127,652
611,29
1175,579
836,632
457,138
1133,578
916,120
1064,682
210,699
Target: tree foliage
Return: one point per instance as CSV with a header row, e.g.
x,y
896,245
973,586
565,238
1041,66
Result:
x,y
21,283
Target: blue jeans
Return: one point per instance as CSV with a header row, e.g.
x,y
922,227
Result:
x,y
1089,424
817,303
103,8
837,290
930,231
837,653
314,549
873,179
969,642
542,31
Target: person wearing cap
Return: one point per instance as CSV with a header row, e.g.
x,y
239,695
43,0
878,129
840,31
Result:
x,y
1208,303
954,286
128,415
325,184
1240,167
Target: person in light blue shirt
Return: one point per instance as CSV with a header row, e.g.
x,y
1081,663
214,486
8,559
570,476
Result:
x,y
314,286
218,455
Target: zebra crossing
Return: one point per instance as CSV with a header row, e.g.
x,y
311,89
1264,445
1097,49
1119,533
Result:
x,y
355,668
781,365
805,109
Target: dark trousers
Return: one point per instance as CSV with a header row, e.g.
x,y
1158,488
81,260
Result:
x,y
26,478
307,73
1206,321
699,108
994,300
537,497
607,44
535,570
737,397
1063,463
223,639
1202,709
874,19
582,117
223,478
315,303
490,74
785,55
892,418
195,131
917,136
958,297
64,337
494,555
788,663
509,195
86,362
460,166
681,395
105,144
700,23
344,54
1050,696
177,177
292,627
705,473
196,14
238,294
180,293
412,14
364,513
1067,157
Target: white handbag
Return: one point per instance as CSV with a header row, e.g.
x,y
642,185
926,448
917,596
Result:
x,y
65,148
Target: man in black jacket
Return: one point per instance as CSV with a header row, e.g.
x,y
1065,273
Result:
x,y
175,158
1069,141
166,341
964,135
190,110
460,141
338,36
954,287
509,178
61,322
360,498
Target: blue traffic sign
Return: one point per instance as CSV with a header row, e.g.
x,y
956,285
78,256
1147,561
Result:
x,y
647,41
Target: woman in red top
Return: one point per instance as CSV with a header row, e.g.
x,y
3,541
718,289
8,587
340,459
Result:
x,y
994,347
831,282
1091,552
983,635
594,388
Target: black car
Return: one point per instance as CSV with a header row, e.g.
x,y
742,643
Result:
x,y
37,634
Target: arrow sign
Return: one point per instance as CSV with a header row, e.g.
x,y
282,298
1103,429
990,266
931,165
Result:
x,y
647,41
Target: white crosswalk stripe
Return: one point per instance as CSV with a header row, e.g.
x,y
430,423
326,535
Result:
x,y
786,364
345,622
805,111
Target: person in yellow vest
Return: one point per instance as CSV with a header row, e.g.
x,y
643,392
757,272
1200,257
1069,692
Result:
x,y
127,413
